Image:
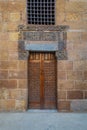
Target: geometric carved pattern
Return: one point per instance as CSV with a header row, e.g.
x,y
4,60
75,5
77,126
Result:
x,y
40,36
57,34
62,55
42,28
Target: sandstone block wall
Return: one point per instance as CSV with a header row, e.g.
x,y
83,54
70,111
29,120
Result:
x,y
13,72
72,79
72,73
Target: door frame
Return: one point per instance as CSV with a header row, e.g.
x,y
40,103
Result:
x,y
56,60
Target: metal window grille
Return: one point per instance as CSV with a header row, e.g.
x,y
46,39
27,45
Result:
x,y
41,12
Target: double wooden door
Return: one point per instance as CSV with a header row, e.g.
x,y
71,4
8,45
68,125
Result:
x,y
42,80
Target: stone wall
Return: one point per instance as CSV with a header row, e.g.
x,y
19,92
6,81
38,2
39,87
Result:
x,y
72,73
13,72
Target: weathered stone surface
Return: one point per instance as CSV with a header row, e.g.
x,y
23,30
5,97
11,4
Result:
x,y
74,95
62,75
62,95
22,65
76,6
8,84
85,75
4,93
13,55
0,17
20,105
74,75
14,74
22,83
3,74
14,17
65,65
79,65
73,17
70,17
64,106
13,36
65,85
13,46
81,85
79,105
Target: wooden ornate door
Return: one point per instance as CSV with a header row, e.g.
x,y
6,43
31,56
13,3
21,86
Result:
x,y
42,80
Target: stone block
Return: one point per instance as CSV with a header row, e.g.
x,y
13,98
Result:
x,y
3,55
3,74
62,75
13,46
4,36
13,65
21,94
60,18
85,94
65,85
0,17
3,65
73,17
3,46
14,17
4,27
9,84
85,75
3,105
12,94
74,75
76,6
79,65
12,26
23,65
60,6
3,6
80,46
64,106
13,36
10,105
5,16
74,95
14,74
68,65
75,26
82,54
16,6
20,105
0,27
84,36
4,93
22,83
12,84
81,85
3,83
61,65
74,37
62,95
79,105
85,16
70,46
13,55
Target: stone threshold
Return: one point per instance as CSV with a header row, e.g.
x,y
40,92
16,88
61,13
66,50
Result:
x,y
41,111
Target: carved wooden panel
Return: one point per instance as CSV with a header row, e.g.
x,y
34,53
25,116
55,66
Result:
x,y
42,80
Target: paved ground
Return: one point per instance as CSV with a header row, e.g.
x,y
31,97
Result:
x,y
43,121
